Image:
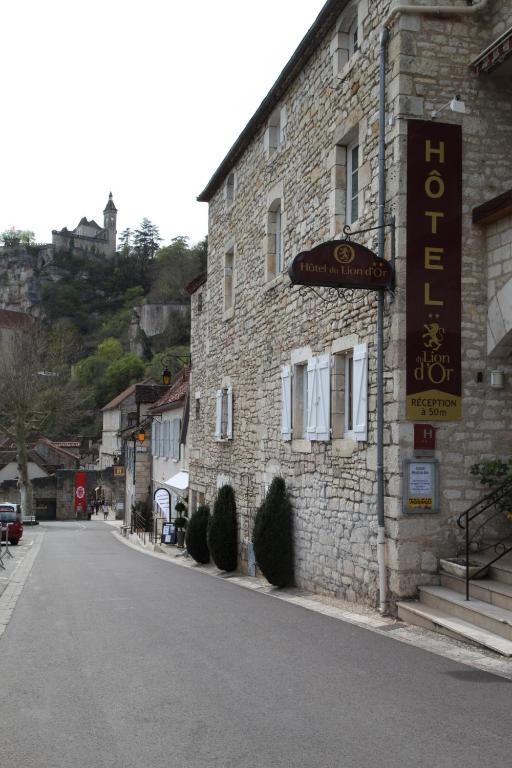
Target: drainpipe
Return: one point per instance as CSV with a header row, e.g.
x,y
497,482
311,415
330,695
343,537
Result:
x,y
381,531
435,10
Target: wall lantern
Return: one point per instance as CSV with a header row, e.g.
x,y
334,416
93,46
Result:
x,y
166,376
140,435
497,380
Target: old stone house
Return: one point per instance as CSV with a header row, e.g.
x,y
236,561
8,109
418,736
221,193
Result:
x,y
170,416
89,236
284,380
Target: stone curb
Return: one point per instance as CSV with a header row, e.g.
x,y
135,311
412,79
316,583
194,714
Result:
x,y
16,582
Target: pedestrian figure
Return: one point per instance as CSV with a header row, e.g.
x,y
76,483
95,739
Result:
x,y
105,510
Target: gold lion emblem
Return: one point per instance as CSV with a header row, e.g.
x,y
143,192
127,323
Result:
x,y
433,336
344,254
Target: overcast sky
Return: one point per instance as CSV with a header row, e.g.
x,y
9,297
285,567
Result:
x,y
141,98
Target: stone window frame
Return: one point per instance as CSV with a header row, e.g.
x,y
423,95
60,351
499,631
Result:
x,y
348,36
275,202
229,280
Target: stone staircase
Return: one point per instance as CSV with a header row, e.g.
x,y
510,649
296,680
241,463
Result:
x,y
485,620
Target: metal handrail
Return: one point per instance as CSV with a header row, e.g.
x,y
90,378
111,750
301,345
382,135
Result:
x,y
494,501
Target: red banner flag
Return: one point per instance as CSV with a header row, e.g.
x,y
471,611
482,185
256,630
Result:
x,y
80,495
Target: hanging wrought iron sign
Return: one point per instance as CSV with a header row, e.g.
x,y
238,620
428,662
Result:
x,y
341,264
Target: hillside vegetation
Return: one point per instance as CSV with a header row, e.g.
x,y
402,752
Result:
x,y
88,304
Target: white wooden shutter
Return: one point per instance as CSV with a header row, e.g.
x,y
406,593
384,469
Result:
x,y
153,438
360,392
218,414
313,396
157,438
176,439
319,408
286,402
168,451
323,410
229,430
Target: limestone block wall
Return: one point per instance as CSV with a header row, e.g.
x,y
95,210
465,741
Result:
x,y
333,483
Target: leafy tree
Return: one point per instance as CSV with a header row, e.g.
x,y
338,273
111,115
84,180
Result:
x,y
12,237
196,542
127,370
222,531
145,240
273,536
125,242
174,266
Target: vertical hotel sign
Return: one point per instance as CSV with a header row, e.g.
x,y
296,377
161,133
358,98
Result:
x,y
434,233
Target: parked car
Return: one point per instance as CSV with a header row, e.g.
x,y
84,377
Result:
x,y
9,516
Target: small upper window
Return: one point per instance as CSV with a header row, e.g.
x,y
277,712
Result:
x,y
224,414
230,189
352,182
275,240
274,125
229,283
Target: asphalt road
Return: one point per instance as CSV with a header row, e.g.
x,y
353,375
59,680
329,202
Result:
x,y
116,659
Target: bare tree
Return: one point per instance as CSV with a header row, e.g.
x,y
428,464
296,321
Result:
x,y
30,394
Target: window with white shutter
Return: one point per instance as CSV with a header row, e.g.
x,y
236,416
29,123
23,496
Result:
x,y
218,414
286,402
153,438
360,392
229,407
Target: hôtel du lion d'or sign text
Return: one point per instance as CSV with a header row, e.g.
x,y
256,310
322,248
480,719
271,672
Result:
x,y
434,237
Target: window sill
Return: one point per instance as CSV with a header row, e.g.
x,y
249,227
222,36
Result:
x,y
347,68
301,446
343,446
228,314
223,439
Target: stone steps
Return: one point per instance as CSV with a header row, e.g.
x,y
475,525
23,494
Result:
x,y
485,620
414,612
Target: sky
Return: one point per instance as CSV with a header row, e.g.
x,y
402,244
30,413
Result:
x,y
144,99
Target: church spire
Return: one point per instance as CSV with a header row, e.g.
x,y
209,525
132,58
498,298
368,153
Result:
x,y
110,205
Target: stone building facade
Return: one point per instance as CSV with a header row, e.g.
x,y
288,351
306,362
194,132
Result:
x,y
305,166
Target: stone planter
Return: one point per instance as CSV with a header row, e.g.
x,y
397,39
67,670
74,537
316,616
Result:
x,y
456,566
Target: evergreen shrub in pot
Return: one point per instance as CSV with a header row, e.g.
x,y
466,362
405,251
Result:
x,y
222,531
272,537
197,528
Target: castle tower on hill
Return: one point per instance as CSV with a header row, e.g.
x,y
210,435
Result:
x,y
89,236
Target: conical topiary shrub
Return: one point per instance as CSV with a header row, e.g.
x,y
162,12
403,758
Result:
x,y
273,535
222,531
197,527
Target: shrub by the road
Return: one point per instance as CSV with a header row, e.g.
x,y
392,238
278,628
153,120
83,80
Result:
x,y
273,535
196,543
222,531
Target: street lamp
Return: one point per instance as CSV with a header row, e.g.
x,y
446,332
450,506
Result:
x,y
140,435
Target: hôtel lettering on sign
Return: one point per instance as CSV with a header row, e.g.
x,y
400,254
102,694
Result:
x,y
434,236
